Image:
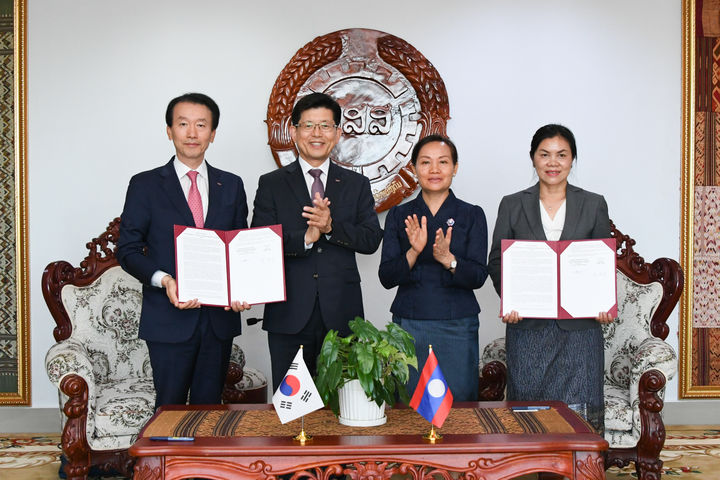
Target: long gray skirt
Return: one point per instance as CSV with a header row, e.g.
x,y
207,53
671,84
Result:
x,y
555,364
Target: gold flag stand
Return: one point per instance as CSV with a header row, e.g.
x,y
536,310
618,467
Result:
x,y
302,437
432,436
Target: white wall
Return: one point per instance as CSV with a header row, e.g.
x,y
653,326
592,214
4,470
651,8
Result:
x,y
101,73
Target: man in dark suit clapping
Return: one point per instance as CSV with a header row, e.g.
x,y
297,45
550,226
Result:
x,y
327,215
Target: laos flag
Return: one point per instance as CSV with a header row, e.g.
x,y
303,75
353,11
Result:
x,y
432,398
297,395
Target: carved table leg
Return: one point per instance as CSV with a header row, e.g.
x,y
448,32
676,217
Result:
x,y
113,461
649,470
148,468
74,439
589,466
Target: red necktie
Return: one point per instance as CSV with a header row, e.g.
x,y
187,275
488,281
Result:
x,y
194,200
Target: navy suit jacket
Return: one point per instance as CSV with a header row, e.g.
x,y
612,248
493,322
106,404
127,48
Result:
x,y
586,216
328,270
428,291
154,203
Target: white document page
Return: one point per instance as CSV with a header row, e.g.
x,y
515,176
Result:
x,y
529,280
587,278
256,266
201,267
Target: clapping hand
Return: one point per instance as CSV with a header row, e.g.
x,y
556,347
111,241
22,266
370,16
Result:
x,y
441,247
416,232
417,236
318,217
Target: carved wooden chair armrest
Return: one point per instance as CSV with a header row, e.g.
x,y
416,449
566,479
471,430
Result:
x,y
243,384
71,358
652,354
493,371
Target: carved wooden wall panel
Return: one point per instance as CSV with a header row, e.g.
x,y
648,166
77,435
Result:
x,y
391,97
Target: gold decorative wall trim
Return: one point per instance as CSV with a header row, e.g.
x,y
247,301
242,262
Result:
x,y
689,388
22,395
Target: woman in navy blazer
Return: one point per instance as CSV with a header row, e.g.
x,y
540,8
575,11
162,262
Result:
x,y
434,250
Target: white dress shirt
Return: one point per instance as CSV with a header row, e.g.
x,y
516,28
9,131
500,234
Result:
x,y
202,183
309,179
553,226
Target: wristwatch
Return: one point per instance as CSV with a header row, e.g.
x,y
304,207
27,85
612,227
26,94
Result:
x,y
453,264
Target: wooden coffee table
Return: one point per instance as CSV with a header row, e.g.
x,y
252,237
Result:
x,y
242,442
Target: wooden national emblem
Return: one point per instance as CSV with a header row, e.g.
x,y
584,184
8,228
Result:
x,y
391,96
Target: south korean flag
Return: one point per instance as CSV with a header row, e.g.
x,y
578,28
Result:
x,y
297,395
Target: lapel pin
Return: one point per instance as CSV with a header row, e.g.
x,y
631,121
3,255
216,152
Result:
x,y
219,184
450,222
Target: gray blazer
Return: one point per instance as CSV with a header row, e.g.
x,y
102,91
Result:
x,y
586,216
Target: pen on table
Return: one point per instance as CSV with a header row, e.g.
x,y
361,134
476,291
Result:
x,y
173,439
529,409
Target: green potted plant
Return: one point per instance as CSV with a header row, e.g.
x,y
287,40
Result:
x,y
373,362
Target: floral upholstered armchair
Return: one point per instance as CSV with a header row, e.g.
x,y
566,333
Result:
x,y
101,368
638,362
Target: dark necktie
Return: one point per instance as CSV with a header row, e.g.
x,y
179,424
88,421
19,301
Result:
x,y
317,185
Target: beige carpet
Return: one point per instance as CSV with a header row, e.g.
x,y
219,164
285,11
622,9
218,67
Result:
x,y
691,452
31,456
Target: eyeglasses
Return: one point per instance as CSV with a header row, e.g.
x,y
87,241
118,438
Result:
x,y
310,126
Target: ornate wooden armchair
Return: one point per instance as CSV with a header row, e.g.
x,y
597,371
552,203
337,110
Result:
x,y
100,366
637,360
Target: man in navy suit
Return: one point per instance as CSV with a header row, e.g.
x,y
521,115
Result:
x,y
327,215
189,345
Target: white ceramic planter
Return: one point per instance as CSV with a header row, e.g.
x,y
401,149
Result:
x,y
356,409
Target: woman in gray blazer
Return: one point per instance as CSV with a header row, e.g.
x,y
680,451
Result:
x,y
553,359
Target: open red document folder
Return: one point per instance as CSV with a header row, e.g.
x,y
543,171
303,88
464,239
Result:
x,y
563,279
218,267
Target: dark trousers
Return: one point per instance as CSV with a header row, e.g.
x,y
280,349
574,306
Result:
x,y
284,347
198,365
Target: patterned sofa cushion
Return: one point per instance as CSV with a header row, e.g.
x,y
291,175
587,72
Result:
x,y
618,414
494,350
619,372
106,315
237,356
251,380
122,407
636,306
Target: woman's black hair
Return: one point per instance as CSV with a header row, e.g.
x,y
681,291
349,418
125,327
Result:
x,y
553,130
430,139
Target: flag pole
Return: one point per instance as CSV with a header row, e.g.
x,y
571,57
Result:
x,y
432,436
302,437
